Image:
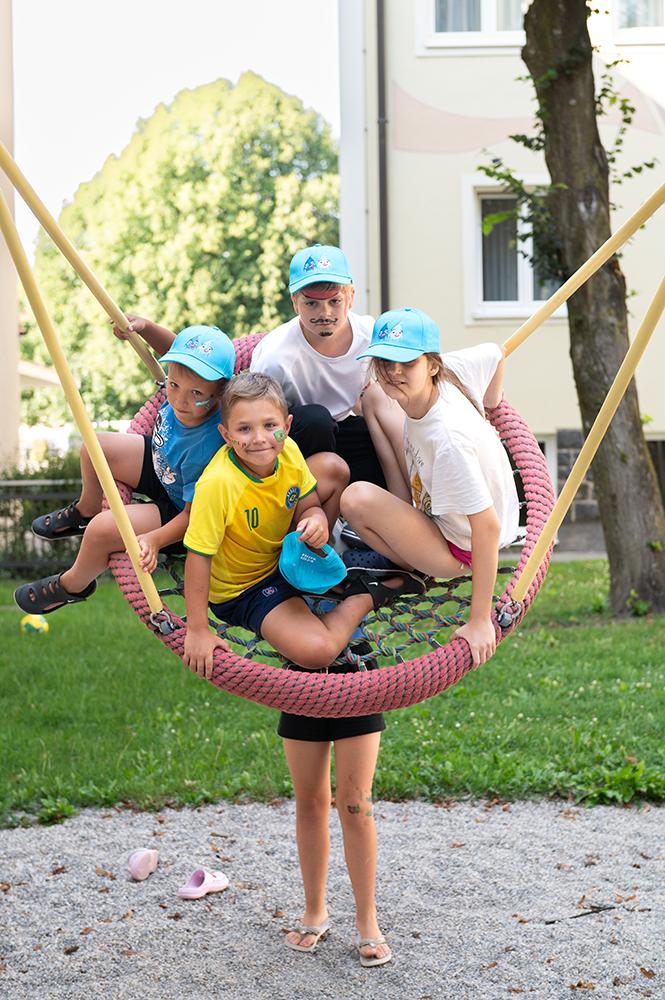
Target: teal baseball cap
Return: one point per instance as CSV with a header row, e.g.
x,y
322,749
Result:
x,y
403,335
319,263
306,570
205,350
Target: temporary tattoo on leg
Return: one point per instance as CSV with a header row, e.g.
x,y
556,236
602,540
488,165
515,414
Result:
x,y
354,810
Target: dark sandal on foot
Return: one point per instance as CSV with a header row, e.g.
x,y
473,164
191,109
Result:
x,y
64,523
36,597
369,582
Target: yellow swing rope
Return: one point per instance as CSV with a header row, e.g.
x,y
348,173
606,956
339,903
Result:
x,y
589,267
68,250
590,446
76,405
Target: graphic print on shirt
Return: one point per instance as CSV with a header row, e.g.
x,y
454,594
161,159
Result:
x,y
421,497
165,473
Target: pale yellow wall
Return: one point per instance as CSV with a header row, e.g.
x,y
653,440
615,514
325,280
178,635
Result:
x,y
430,151
9,391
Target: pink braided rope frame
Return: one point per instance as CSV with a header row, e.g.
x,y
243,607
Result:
x,y
335,695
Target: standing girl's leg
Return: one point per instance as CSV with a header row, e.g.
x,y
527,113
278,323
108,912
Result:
x,y
355,761
309,765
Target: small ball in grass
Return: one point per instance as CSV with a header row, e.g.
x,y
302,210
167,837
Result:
x,y
33,625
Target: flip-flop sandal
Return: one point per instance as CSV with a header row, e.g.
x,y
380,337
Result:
x,y
368,961
201,882
319,932
64,523
36,597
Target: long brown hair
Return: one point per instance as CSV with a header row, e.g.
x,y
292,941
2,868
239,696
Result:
x,y
442,374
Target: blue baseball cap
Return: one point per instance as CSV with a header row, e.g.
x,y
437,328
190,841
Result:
x,y
403,335
306,570
205,350
319,263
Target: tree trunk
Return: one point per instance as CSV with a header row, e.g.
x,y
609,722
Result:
x,y
631,509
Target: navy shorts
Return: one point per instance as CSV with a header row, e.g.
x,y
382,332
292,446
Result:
x,y
150,486
251,607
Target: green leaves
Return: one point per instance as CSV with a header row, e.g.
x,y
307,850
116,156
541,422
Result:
x,y
195,222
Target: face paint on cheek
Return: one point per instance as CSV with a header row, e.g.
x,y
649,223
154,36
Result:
x,y
238,444
279,435
203,402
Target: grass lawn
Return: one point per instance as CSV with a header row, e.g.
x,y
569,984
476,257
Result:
x,y
97,713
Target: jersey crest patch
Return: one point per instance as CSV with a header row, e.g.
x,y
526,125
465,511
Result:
x,y
292,497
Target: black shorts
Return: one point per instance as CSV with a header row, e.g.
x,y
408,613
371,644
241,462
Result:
x,y
149,486
315,430
304,727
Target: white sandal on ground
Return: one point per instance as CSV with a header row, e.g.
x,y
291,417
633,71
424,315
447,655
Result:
x,y
370,960
319,931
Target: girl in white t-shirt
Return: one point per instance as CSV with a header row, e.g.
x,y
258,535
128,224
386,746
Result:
x,y
465,505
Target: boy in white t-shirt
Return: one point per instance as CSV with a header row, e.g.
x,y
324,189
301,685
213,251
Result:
x,y
314,358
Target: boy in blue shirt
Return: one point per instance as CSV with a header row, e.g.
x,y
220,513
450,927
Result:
x,y
164,467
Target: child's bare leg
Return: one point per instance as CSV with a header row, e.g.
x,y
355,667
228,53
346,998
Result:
x,y
385,420
313,642
101,538
309,765
332,477
124,453
355,761
398,530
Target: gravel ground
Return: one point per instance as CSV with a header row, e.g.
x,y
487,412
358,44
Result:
x,y
478,900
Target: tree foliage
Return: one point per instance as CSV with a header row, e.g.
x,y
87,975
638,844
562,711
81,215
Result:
x,y
194,222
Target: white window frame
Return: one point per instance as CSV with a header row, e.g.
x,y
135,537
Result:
x,y
647,35
476,310
430,42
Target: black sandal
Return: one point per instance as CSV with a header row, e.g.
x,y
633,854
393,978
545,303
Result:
x,y
63,523
35,597
369,582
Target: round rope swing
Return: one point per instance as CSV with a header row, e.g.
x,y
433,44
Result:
x,y
410,626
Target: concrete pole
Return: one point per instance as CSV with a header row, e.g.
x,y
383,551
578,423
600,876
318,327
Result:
x,y
9,378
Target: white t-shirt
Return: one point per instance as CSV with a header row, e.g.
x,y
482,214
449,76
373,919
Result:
x,y
457,464
309,377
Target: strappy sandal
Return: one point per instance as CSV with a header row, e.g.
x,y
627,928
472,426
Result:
x,y
36,597
370,582
64,523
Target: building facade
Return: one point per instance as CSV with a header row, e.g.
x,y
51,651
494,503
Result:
x,y
430,93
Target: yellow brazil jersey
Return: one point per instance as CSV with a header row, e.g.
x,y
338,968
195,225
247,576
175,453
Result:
x,y
241,521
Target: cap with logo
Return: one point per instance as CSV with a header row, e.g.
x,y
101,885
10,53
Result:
x,y
403,335
319,263
308,571
205,350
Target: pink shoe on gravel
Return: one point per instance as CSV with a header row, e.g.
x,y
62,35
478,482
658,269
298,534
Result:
x,y
142,863
201,882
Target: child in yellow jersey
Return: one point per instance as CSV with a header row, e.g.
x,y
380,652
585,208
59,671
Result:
x,y
254,491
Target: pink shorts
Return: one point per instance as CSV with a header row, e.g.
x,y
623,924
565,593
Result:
x,y
461,554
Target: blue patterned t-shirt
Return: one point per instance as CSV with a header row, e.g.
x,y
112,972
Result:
x,y
180,454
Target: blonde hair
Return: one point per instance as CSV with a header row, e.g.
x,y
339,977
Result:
x,y
252,386
442,374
